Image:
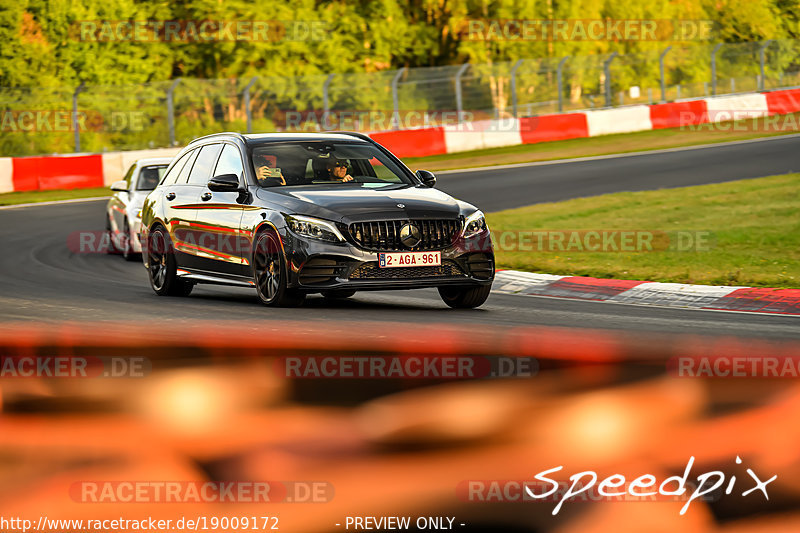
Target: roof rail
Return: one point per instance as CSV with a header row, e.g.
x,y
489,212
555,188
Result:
x,y
234,133
362,136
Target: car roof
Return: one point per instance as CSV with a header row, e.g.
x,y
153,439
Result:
x,y
260,138
154,161
266,137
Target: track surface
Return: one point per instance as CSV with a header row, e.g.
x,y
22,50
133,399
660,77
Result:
x,y
521,185
43,280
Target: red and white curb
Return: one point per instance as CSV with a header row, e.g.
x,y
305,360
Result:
x,y
680,295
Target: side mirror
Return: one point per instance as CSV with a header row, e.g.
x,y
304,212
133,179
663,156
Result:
x,y
427,178
224,183
120,186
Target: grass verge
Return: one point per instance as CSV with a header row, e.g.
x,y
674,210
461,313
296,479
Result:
x,y
14,198
613,144
754,234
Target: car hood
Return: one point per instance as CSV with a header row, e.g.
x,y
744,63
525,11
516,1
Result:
x,y
354,203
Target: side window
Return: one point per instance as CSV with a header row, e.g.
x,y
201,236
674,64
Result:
x,y
201,171
128,175
184,175
230,162
170,178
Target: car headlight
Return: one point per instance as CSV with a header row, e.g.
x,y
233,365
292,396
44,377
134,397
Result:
x,y
313,228
474,224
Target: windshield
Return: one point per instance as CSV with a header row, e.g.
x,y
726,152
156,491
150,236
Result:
x,y
325,163
150,176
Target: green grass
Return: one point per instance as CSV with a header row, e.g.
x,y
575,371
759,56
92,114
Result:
x,y
755,226
613,144
13,198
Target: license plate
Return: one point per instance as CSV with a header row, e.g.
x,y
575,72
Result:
x,y
409,259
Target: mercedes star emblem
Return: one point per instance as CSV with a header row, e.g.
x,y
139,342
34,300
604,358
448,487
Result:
x,y
410,236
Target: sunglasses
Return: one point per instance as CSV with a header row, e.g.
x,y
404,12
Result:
x,y
340,164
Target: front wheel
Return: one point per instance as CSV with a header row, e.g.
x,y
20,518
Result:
x,y
270,273
465,297
162,268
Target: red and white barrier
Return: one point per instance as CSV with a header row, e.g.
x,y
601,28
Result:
x,y
553,127
57,172
116,164
482,134
414,143
736,107
783,102
94,170
677,114
6,174
618,120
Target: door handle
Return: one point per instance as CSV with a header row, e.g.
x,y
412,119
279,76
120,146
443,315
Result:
x,y
206,196
170,196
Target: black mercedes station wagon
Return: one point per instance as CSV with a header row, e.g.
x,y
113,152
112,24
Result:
x,y
295,214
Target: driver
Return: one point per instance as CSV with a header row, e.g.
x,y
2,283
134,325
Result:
x,y
266,171
337,170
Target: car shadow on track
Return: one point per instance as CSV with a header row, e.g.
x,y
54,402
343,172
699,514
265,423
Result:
x,y
314,301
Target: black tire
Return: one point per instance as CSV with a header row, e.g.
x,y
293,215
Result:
x,y
338,294
465,297
126,243
162,268
270,273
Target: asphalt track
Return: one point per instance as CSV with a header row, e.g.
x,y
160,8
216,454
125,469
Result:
x,y
44,281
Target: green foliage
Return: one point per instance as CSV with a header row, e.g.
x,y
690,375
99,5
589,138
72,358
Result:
x,y
46,54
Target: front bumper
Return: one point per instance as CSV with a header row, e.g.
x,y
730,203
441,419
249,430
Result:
x,y
314,266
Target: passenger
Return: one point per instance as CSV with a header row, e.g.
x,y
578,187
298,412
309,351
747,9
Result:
x,y
337,170
267,173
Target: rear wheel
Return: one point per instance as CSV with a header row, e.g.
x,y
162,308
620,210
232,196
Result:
x,y
335,294
270,273
162,268
465,297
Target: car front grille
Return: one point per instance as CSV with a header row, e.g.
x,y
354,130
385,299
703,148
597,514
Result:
x,y
385,234
371,270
